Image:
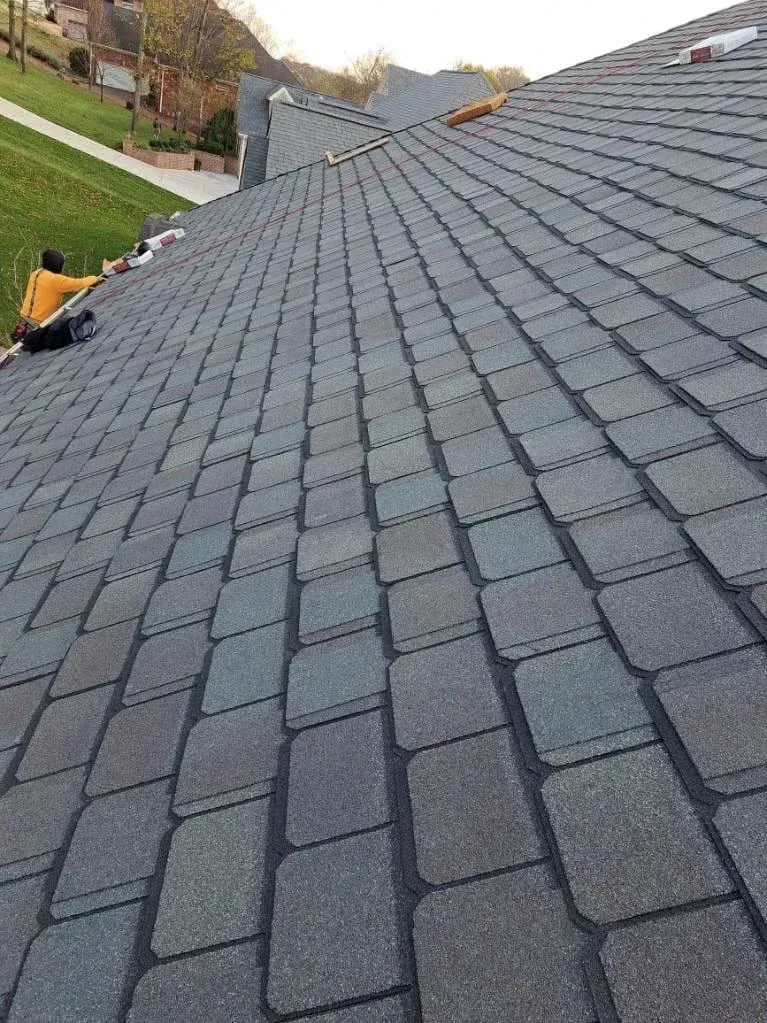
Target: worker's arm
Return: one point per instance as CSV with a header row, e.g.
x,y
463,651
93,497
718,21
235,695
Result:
x,y
65,285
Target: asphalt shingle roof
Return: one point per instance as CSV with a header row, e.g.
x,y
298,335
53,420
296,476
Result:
x,y
385,588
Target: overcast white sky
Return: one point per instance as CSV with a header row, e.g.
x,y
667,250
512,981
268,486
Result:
x,y
541,35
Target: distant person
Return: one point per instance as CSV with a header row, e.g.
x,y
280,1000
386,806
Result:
x,y
157,125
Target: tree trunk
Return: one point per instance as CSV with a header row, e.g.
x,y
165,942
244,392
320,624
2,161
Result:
x,y
139,72
24,23
11,30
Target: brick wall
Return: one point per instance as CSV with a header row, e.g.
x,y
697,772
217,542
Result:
x,y
155,158
209,161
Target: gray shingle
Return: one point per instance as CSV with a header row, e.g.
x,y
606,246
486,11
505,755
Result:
x,y
470,812
251,602
335,930
113,852
559,611
628,542
183,601
167,663
417,546
506,941
432,608
66,733
399,459
245,669
661,433
519,380
18,925
726,387
493,491
733,540
76,970
334,547
628,837
330,680
746,427
587,488
704,964
703,480
622,399
335,501
338,604
562,443
514,544
476,451
719,710
214,880
671,617
337,780
140,744
215,987
229,757
581,702
95,658
409,496
47,804
443,693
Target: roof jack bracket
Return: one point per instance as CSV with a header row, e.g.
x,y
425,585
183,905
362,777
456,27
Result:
x,y
351,153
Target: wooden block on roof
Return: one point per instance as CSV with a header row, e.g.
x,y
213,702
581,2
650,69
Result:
x,y
477,109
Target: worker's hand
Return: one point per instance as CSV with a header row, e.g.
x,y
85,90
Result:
x,y
99,280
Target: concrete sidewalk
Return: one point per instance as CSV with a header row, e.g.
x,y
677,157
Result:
x,y
196,186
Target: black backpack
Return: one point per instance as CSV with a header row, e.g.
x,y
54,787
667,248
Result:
x,y
62,332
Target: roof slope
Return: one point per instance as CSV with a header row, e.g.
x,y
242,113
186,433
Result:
x,y
404,103
298,134
484,407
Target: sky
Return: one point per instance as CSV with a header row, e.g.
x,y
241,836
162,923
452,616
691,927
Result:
x,y
541,35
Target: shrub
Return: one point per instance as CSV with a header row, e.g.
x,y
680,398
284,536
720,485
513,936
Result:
x,y
217,148
222,128
79,61
170,144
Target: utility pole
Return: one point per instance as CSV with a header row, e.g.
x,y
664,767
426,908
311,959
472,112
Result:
x,y
11,29
24,22
139,70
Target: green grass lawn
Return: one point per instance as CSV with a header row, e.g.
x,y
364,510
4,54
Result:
x,y
71,106
55,197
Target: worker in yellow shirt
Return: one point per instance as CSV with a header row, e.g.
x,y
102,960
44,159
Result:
x,y
47,286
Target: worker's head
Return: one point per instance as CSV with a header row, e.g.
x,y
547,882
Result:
x,y
53,260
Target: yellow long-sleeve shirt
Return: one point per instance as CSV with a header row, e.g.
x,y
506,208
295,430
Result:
x,y
48,290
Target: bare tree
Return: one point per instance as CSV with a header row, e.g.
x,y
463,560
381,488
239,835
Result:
x,y
203,41
100,33
139,72
510,77
262,31
24,26
12,30
503,78
368,69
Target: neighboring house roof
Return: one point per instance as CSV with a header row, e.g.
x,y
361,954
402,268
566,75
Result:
x,y
297,134
430,96
484,407
284,139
